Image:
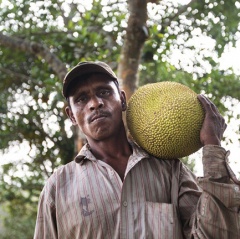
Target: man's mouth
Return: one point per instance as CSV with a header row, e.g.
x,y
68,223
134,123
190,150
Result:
x,y
98,116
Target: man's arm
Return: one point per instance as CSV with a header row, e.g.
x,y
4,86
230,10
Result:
x,y
216,214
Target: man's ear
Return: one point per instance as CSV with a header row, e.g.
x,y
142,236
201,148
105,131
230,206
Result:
x,y
123,100
70,115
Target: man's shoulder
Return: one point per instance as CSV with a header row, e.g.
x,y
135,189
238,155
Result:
x,y
62,174
165,165
145,154
62,179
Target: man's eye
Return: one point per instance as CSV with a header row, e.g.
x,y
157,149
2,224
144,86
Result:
x,y
81,99
104,92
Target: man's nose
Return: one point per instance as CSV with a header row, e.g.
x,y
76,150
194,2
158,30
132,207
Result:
x,y
96,103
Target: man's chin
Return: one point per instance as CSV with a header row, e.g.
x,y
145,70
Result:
x,y
100,134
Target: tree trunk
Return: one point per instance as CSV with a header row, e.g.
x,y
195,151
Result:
x,y
136,35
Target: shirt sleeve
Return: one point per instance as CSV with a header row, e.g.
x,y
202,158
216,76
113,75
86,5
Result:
x,y
216,213
219,180
46,220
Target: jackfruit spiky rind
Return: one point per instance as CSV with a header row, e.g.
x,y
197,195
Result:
x,y
165,119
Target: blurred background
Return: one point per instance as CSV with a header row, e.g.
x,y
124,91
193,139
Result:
x,y
196,43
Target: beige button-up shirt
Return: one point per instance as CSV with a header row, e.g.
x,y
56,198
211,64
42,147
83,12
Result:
x,y
157,199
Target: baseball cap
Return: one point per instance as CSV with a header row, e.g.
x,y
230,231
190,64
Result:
x,y
83,68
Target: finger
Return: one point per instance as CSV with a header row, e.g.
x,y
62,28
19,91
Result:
x,y
204,102
211,109
224,126
208,104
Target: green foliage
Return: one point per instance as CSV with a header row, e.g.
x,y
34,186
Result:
x,y
21,223
32,107
189,162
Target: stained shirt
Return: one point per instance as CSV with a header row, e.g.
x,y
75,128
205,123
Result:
x,y
157,199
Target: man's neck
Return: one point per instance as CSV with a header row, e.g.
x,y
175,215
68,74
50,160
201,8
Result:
x,y
110,148
114,151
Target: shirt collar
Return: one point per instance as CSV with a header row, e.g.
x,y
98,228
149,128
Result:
x,y
85,153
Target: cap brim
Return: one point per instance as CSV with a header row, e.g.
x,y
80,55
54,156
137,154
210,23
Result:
x,y
84,69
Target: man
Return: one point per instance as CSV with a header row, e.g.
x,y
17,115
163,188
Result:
x,y
114,189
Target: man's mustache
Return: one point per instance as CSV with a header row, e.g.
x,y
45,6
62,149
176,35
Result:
x,y
98,114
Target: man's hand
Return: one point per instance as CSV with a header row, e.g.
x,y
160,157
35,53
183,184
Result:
x,y
214,124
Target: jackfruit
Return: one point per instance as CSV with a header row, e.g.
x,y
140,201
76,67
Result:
x,y
165,119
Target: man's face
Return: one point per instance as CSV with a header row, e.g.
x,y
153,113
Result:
x,y
96,106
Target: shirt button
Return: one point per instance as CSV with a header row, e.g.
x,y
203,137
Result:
x,y
125,203
236,189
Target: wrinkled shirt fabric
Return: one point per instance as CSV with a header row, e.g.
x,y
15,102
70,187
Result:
x,y
157,199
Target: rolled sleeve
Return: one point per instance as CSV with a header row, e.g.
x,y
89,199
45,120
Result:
x,y
217,176
217,214
214,163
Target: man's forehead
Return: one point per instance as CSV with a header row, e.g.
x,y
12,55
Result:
x,y
94,80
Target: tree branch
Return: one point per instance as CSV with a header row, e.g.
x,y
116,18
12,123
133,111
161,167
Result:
x,y
37,49
179,12
19,76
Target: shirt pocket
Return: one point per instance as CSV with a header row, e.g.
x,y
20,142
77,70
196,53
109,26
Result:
x,y
162,221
